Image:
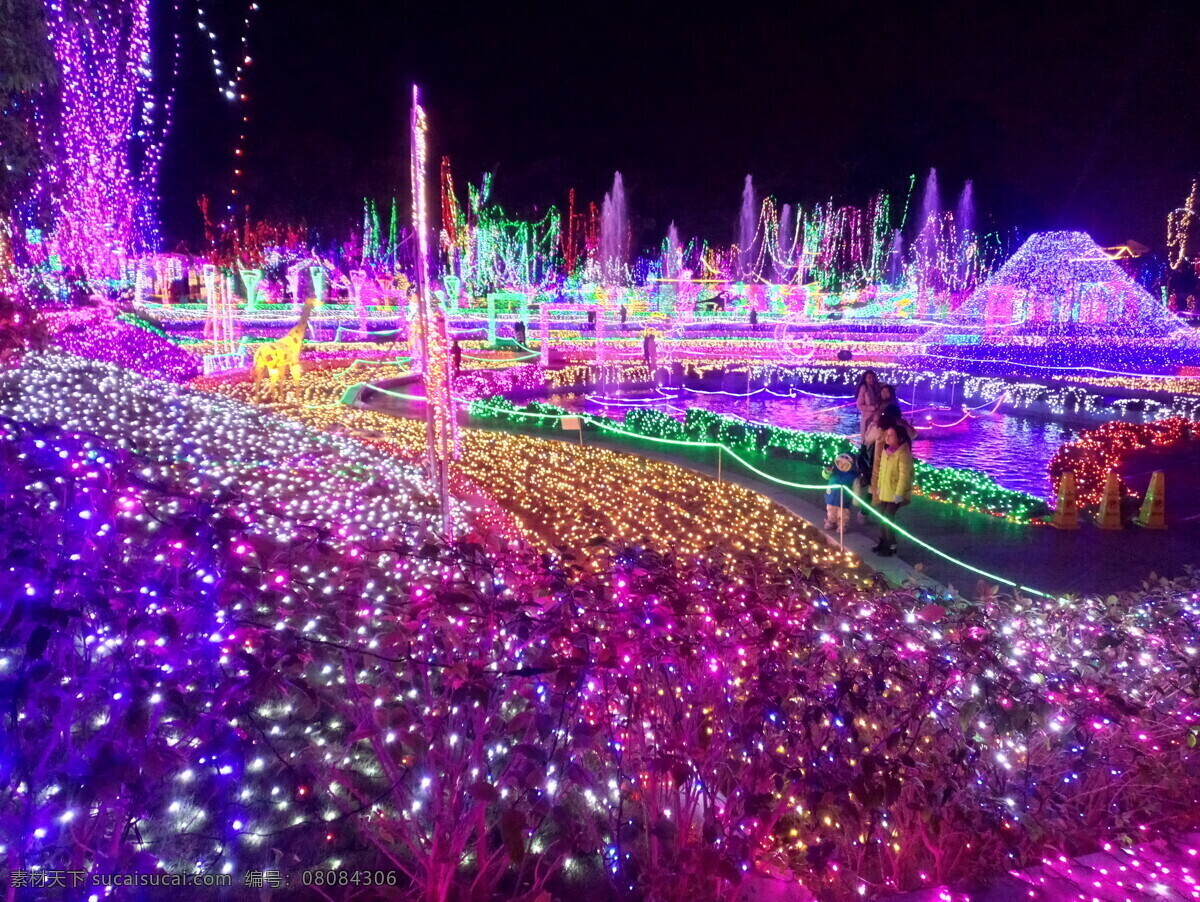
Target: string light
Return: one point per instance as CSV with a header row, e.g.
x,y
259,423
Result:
x,y
157,114
678,673
1183,230
666,668
561,498
486,248
1061,302
103,54
229,77
1097,452
357,493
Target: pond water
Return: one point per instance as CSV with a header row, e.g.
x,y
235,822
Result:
x,y
1014,450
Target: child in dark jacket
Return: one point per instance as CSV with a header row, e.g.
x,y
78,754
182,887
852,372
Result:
x,y
838,502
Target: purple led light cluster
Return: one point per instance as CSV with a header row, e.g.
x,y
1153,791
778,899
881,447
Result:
x,y
130,347
471,385
274,653
103,53
266,689
1059,302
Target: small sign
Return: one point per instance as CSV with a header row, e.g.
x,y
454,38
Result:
x,y
572,423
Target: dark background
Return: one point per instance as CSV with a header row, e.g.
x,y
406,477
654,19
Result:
x,y
1064,115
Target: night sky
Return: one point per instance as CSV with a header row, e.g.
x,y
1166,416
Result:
x,y
1064,116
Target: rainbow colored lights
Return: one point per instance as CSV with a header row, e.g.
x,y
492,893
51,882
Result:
x,y
645,716
242,629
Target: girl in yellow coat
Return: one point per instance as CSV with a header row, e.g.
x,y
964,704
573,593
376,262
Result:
x,y
891,480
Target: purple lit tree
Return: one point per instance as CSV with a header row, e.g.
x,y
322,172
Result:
x,y
103,52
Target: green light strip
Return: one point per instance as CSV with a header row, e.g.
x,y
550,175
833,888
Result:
x,y
399,361
502,359
605,426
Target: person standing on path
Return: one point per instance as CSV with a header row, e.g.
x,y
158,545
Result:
x,y
842,480
888,406
892,481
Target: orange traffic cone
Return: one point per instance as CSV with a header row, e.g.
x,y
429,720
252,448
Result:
x,y
1153,512
1066,512
1109,515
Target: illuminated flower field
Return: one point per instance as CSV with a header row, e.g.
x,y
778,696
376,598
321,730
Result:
x,y
664,725
373,527
637,708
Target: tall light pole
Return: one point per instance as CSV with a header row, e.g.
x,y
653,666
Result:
x,y
441,423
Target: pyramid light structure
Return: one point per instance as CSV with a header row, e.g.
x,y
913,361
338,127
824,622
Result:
x,y
1061,302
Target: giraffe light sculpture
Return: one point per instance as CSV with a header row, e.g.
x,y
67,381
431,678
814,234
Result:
x,y
273,358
